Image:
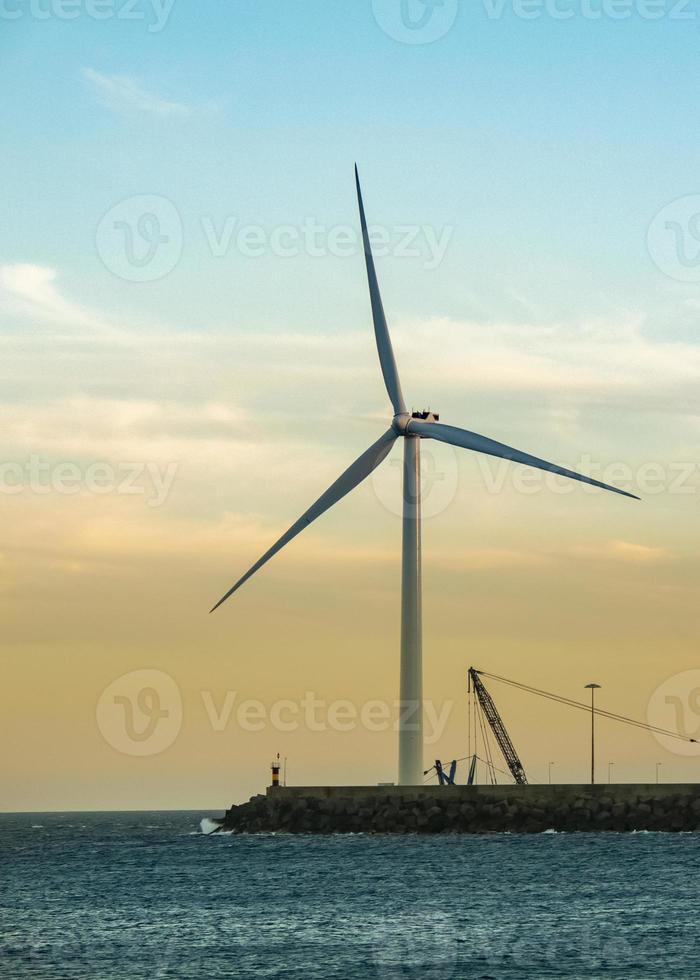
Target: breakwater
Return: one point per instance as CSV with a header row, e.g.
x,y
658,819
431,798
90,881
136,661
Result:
x,y
468,809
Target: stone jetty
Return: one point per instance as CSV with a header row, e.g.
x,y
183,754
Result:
x,y
468,809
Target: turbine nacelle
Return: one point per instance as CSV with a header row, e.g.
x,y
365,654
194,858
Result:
x,y
401,422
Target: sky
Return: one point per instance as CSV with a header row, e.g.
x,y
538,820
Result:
x,y
187,362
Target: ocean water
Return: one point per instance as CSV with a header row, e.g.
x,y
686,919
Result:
x,y
125,896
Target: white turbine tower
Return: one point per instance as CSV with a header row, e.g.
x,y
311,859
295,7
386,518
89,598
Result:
x,y
411,427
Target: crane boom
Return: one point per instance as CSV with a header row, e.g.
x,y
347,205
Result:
x,y
498,728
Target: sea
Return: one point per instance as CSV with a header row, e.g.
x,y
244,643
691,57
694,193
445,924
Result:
x,y
140,896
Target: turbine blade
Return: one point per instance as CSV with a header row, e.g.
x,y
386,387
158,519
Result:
x,y
353,476
480,444
381,330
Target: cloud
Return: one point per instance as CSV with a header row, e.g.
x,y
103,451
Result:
x,y
29,290
625,551
486,559
126,428
227,405
33,282
600,360
122,94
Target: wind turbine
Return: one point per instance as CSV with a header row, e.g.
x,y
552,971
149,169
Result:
x,y
411,427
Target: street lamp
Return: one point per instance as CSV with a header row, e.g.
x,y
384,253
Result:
x,y
592,688
549,772
610,765
658,766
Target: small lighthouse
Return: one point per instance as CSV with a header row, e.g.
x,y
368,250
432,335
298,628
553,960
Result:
x,y
276,766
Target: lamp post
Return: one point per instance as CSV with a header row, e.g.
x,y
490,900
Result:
x,y
592,688
610,766
549,772
658,766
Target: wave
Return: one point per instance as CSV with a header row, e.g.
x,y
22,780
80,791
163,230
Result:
x,y
208,826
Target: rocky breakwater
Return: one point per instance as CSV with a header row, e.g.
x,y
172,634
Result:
x,y
468,810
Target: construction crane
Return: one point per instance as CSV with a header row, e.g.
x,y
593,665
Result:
x,y
497,727
482,710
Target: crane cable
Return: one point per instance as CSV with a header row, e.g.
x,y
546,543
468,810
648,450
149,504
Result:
x,y
586,707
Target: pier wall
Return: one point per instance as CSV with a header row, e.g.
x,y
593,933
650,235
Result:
x,y
470,809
